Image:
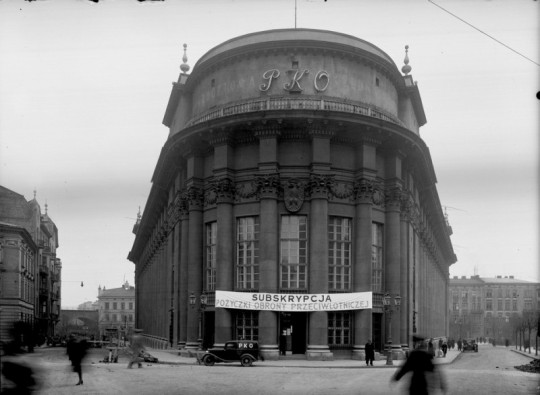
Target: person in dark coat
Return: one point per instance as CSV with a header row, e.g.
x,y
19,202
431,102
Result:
x,y
420,364
444,349
137,348
76,350
370,353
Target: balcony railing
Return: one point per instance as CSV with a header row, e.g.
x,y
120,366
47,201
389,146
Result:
x,y
43,269
291,103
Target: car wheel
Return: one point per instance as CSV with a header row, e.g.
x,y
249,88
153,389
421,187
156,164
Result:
x,y
209,360
246,360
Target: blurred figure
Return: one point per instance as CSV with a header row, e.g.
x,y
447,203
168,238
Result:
x,y
137,348
425,376
18,374
370,353
76,350
444,349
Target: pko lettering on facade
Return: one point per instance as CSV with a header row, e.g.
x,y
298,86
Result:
x,y
320,82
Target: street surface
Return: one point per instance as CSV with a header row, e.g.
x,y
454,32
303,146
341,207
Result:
x,y
490,371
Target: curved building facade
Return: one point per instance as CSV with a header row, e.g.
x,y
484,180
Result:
x,y
293,166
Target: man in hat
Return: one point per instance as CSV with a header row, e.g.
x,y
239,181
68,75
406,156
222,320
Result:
x,y
137,347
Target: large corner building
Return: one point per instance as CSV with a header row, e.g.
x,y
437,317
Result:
x,y
294,165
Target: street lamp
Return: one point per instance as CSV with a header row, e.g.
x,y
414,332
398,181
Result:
x,y
388,310
202,306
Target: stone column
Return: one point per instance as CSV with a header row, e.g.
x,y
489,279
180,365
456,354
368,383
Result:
x,y
362,271
183,299
317,348
195,263
393,250
366,171
268,189
404,282
225,253
223,186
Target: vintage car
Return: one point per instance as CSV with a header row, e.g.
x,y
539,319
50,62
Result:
x,y
244,351
470,345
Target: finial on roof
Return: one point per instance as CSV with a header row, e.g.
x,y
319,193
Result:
x,y
46,207
35,193
184,66
406,69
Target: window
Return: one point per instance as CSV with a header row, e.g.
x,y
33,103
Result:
x,y
131,305
514,305
247,253
122,306
293,259
507,304
211,238
499,304
489,304
247,325
130,318
489,293
106,305
507,292
339,251
514,293
114,305
339,328
527,304
377,257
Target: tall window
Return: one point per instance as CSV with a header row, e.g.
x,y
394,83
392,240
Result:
x,y
339,328
377,257
247,325
247,253
114,306
293,258
339,253
489,305
211,238
507,304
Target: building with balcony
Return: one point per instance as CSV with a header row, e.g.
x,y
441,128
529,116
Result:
x,y
116,311
30,288
483,307
293,181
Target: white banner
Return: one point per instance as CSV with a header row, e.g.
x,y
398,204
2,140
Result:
x,y
293,302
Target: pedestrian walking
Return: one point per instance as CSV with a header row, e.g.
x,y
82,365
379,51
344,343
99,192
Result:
x,y
424,372
137,348
444,349
459,345
370,353
76,349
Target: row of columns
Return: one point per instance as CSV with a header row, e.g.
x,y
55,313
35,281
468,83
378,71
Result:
x,y
188,265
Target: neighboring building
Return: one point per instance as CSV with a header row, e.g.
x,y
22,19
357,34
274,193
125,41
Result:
x,y
484,307
30,271
293,166
89,306
82,322
116,310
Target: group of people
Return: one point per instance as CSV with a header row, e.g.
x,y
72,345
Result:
x,y
77,348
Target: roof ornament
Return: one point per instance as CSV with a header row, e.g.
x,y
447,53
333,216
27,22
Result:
x,y
46,207
35,193
184,66
406,69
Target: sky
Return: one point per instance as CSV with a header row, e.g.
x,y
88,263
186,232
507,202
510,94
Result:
x,y
84,87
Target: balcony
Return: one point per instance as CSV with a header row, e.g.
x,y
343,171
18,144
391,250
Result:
x,y
44,292
43,269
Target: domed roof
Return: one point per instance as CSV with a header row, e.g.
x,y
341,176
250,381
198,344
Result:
x,y
296,38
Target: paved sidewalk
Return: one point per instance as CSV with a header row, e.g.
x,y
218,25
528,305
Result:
x,y
172,357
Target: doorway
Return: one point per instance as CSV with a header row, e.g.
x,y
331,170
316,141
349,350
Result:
x,y
295,327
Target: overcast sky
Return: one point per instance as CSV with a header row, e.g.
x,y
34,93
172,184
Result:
x,y
84,87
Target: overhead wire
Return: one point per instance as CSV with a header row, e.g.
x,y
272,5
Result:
x,y
484,33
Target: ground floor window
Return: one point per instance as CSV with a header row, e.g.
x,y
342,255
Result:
x,y
247,325
339,328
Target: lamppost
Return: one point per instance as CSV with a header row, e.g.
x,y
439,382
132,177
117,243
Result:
x,y
388,310
202,306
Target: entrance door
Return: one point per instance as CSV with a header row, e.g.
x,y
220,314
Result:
x,y
377,332
208,324
294,325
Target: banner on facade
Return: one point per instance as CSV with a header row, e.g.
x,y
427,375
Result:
x,y
293,302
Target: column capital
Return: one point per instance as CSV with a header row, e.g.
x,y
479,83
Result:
x,y
220,137
195,198
320,185
268,185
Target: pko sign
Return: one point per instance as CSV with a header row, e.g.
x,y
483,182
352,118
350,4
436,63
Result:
x,y
295,76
